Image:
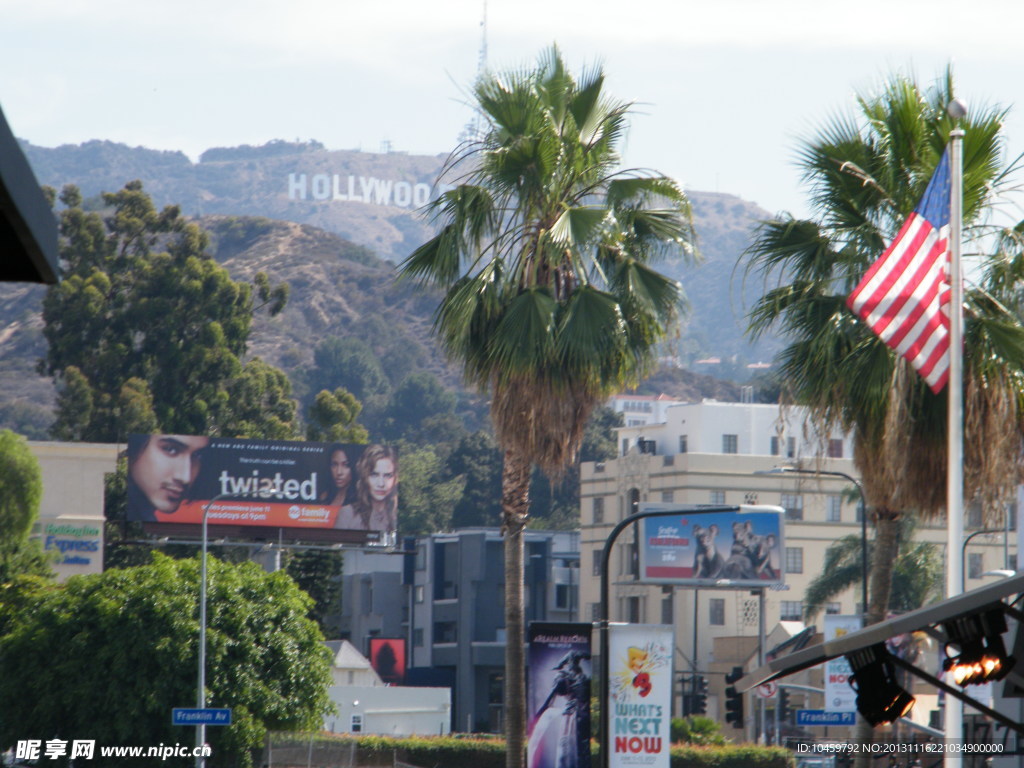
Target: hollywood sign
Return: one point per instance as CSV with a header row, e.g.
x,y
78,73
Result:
x,y
362,189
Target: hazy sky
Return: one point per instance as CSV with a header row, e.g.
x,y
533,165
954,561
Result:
x,y
723,88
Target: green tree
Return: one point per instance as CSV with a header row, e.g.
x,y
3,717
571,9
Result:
x,y
422,410
332,418
148,331
477,459
549,300
350,363
318,573
21,490
128,639
428,500
917,574
866,173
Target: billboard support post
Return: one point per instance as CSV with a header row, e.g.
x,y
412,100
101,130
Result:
x,y
604,607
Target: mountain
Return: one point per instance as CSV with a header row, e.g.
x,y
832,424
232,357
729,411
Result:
x,y
332,224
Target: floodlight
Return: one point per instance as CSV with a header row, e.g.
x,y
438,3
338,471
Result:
x,y
982,655
880,699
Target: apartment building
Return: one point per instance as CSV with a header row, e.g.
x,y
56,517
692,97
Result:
x,y
715,453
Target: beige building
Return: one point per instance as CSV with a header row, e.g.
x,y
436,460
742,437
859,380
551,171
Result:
x,y
711,453
71,512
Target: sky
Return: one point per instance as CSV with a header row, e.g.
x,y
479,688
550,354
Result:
x,y
723,89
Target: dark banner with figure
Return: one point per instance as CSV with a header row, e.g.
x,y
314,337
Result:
x,y
387,657
558,696
302,490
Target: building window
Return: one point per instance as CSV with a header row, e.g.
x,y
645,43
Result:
x,y
730,444
421,557
667,611
834,508
634,612
420,591
667,496
718,497
684,444
775,447
595,612
598,510
597,562
716,610
790,447
417,637
833,609
794,559
974,516
562,592
975,564
629,559
446,632
357,724
793,503
835,449
790,610
625,446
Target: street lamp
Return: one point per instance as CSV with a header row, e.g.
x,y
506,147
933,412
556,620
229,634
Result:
x,y
201,691
963,553
863,518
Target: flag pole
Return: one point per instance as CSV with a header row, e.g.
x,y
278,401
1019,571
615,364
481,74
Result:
x,y
953,725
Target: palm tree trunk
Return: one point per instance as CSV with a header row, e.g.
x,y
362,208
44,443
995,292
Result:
x,y
887,542
515,508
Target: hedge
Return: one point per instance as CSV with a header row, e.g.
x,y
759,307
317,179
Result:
x,y
458,751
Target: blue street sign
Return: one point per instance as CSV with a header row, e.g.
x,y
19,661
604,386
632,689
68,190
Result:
x,y
183,716
821,717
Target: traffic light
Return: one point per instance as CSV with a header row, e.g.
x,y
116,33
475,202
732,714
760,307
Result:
x,y
734,699
700,696
783,705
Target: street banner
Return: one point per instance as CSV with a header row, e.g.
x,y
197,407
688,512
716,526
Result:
x,y
336,492
387,657
640,689
726,549
839,696
558,695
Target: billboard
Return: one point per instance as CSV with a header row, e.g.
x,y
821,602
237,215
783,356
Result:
x,y
263,488
387,657
738,548
640,688
558,695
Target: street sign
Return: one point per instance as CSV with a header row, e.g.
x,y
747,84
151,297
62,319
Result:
x,y
767,690
185,716
821,717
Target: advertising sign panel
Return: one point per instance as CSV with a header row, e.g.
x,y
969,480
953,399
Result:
x,y
387,657
737,549
839,696
558,695
641,694
309,491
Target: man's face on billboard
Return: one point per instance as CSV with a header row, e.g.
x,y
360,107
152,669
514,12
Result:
x,y
166,467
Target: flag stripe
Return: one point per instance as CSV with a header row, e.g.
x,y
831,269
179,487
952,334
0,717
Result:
x,y
904,296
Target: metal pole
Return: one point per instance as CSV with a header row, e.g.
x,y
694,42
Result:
x,y
762,631
604,608
954,467
201,688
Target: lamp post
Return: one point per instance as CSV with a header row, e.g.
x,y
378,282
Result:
x,y
963,553
201,688
863,519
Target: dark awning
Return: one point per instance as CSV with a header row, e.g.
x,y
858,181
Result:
x,y
28,228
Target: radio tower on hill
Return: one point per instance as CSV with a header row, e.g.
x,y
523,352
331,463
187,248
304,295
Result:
x,y
474,128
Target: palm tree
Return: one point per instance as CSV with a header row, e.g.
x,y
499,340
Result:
x,y
550,303
866,173
917,575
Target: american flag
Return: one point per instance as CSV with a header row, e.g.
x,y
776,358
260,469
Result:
x,y
904,297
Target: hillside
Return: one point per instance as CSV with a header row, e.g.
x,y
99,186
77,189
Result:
x,y
372,199
332,224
